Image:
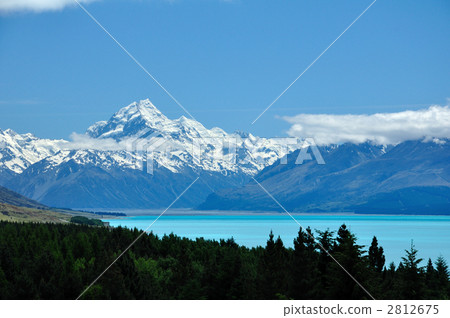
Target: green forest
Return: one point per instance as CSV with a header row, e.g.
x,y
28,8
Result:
x,y
58,261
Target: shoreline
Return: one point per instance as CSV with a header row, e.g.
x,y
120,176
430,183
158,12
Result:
x,y
192,212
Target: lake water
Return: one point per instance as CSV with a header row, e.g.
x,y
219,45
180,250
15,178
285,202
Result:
x,y
431,234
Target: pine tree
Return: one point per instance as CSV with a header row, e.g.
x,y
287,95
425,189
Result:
x,y
274,268
388,288
299,285
430,273
267,269
325,243
376,256
349,256
412,282
442,279
430,280
282,270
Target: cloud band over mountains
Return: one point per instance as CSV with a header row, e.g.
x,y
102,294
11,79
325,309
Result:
x,y
380,128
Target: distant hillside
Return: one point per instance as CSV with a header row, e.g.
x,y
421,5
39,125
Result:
x,y
10,197
411,178
21,214
17,208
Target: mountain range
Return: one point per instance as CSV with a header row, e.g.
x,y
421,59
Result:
x,y
107,167
139,158
411,177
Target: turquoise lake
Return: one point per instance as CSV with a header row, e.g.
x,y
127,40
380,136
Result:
x,y
431,234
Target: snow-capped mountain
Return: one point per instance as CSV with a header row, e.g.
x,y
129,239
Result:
x,y
139,158
106,166
18,152
186,142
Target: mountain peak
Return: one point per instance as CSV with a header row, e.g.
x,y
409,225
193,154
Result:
x,y
143,108
9,132
130,120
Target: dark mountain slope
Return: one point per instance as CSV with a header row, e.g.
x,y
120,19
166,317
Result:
x,y
10,197
76,185
354,178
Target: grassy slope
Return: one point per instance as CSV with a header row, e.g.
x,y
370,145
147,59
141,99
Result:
x,y
14,213
17,208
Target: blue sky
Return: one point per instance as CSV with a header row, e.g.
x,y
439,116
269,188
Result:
x,y
225,61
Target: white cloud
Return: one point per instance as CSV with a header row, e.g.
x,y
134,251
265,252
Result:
x,y
37,5
381,128
85,142
82,141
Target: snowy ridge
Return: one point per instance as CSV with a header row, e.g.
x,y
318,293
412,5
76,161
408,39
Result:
x,y
19,151
108,167
185,143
